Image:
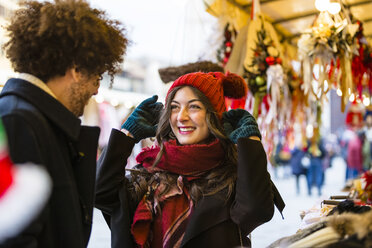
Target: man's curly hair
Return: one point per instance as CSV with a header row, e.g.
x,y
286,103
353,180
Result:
x,y
47,39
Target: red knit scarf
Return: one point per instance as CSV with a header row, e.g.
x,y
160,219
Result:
x,y
152,227
188,160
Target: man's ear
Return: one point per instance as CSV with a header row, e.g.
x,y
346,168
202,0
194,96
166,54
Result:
x,y
75,74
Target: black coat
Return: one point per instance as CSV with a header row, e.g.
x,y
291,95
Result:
x,y
41,130
213,223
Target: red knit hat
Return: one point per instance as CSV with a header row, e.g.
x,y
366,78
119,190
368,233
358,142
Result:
x,y
214,85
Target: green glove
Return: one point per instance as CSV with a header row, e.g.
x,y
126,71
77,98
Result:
x,y
142,123
239,123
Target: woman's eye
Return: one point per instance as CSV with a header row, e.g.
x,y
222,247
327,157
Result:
x,y
172,107
195,106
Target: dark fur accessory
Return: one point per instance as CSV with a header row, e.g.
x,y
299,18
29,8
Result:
x,y
170,74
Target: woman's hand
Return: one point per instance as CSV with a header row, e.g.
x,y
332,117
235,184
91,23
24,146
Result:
x,y
143,121
239,123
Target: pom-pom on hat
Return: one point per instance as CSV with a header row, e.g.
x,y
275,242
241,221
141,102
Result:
x,y
214,85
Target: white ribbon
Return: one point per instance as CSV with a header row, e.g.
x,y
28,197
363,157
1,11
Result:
x,y
274,81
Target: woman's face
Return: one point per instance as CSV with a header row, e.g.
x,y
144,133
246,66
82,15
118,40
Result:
x,y
188,118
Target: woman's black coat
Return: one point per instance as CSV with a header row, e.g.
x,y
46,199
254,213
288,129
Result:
x,y
214,222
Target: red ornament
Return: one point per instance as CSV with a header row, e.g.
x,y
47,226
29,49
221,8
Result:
x,y
278,60
228,44
270,60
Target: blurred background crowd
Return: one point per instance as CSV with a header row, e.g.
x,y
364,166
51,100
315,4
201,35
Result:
x,y
311,156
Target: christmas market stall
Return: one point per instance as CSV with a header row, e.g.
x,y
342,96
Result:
x,y
293,54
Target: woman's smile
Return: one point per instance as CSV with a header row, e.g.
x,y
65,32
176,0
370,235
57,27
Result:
x,y
186,130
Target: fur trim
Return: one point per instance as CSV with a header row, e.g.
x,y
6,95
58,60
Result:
x,y
234,86
24,199
170,74
349,224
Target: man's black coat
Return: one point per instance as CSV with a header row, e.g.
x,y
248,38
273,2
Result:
x,y
41,130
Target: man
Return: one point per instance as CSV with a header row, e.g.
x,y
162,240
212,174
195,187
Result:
x,y
60,51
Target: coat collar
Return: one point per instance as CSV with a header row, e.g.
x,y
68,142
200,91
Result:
x,y
49,106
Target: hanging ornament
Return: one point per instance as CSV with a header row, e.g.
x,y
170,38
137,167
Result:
x,y
362,67
264,74
224,52
265,55
330,41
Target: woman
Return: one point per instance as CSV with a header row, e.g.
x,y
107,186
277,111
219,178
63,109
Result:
x,y
195,187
